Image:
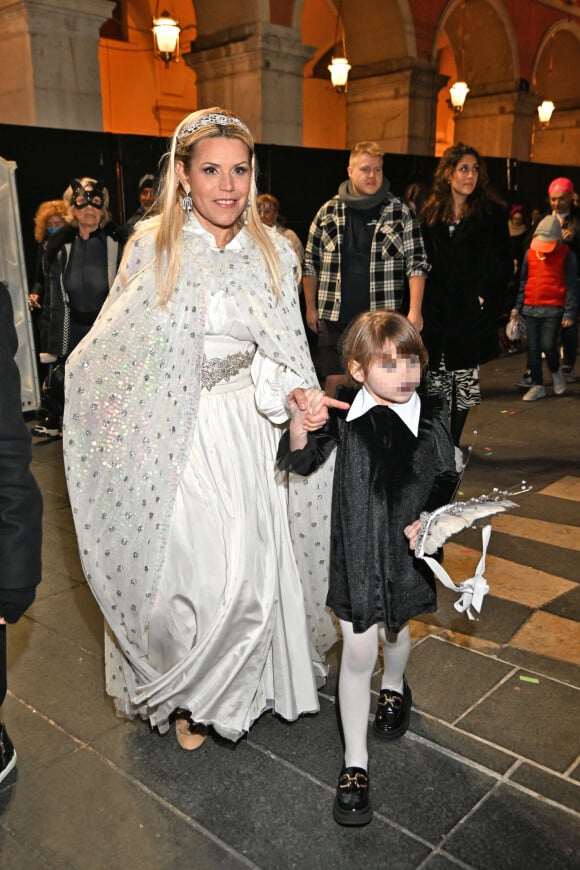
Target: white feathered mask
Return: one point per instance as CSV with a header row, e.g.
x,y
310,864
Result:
x,y
441,524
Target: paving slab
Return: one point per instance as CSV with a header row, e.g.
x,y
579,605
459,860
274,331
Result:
x,y
555,788
75,615
438,861
88,815
447,680
466,746
540,506
64,682
60,552
17,855
566,605
541,665
37,741
544,556
537,720
549,635
511,830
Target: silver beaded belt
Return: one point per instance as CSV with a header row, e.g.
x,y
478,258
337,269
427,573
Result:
x,y
215,371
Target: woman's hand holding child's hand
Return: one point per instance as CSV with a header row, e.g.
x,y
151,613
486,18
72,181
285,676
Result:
x,y
308,412
316,404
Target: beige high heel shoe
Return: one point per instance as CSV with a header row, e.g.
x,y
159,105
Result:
x,y
190,735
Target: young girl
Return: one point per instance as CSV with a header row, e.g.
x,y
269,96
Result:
x,y
395,459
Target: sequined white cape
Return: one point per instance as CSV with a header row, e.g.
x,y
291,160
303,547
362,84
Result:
x,y
133,389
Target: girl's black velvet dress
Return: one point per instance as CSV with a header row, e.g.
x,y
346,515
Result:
x,y
384,477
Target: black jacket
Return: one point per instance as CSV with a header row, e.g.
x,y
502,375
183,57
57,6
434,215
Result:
x,y
20,499
473,262
55,323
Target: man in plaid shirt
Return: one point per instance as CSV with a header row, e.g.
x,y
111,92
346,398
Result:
x,y
364,250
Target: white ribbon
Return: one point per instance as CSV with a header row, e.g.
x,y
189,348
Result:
x,y
474,590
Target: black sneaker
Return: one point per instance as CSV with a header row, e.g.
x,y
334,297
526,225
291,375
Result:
x,y
352,805
393,713
7,754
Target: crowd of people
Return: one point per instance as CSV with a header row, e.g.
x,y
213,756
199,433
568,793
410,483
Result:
x,y
233,502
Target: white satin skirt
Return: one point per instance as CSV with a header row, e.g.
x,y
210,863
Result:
x,y
228,633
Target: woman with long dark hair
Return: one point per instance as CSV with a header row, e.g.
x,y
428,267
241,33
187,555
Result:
x,y
467,241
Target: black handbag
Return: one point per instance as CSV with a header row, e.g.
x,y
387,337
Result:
x,y
53,389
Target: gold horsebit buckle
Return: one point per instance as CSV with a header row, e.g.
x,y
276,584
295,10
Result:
x,y
395,700
359,780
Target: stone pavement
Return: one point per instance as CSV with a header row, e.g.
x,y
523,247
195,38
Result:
x,y
487,777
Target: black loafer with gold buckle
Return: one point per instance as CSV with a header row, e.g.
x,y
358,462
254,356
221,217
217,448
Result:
x,y
393,713
352,804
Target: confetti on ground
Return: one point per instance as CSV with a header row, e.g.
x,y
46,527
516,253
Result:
x,y
511,413
460,492
529,679
503,412
488,450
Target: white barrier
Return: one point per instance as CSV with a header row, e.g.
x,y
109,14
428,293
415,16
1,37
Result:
x,y
13,273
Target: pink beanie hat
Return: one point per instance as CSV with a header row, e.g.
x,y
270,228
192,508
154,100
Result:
x,y
563,184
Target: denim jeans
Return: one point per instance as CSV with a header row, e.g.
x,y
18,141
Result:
x,y
543,334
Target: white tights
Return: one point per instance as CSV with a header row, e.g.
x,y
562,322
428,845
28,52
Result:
x,y
359,656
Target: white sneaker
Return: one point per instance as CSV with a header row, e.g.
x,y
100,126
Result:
x,y
559,382
535,392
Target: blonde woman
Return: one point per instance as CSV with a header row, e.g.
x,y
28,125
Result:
x,y
175,403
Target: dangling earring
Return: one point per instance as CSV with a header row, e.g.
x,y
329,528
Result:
x,y
247,209
187,202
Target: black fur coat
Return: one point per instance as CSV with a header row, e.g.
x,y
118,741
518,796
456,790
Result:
x,y
471,263
384,477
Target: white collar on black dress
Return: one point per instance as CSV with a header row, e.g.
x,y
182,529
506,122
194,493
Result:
x,y
409,412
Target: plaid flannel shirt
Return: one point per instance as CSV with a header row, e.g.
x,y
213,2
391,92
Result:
x,y
397,251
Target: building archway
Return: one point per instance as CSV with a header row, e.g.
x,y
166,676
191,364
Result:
x,y
490,66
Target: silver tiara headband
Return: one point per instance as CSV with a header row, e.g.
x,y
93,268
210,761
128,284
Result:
x,y
213,118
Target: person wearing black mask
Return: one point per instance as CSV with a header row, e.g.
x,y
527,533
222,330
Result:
x,y
82,261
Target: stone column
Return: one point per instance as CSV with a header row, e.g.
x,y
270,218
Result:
x,y
51,75
256,70
395,107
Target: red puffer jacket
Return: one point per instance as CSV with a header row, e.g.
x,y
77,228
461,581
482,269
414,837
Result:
x,y
546,284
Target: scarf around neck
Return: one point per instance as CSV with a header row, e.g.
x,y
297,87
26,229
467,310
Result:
x,y
363,203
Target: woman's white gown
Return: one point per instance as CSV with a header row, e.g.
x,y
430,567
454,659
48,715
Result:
x,y
229,622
